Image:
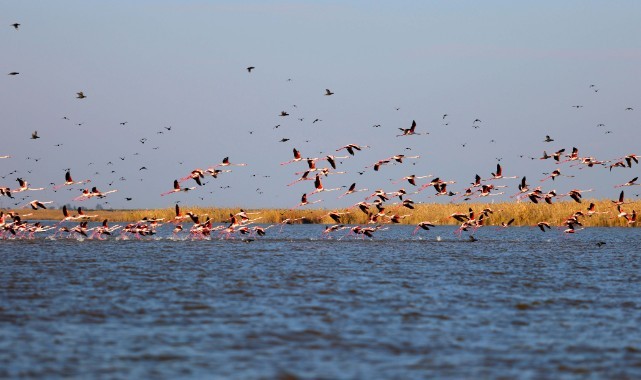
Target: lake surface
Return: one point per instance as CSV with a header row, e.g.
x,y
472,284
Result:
x,y
517,303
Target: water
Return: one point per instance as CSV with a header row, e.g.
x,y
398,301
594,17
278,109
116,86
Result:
x,y
518,303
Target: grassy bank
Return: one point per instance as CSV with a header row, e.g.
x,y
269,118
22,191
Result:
x,y
524,213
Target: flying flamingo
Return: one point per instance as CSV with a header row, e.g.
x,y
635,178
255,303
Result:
x,y
36,204
177,189
297,157
1,157
304,177
499,173
69,181
227,163
350,148
24,186
196,175
423,225
351,190
554,174
543,226
409,131
332,159
304,201
592,210
319,186
214,172
631,182
620,201
412,179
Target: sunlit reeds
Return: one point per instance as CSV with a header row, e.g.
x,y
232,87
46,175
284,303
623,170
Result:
x,y
524,213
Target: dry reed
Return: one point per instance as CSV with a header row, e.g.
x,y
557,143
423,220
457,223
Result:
x,y
524,213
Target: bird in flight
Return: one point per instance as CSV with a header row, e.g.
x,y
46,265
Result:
x,y
328,92
250,68
34,135
15,25
548,139
80,95
14,73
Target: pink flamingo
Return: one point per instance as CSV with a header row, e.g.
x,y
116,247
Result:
x,y
351,190
304,201
350,148
319,186
177,189
297,157
409,131
631,182
69,181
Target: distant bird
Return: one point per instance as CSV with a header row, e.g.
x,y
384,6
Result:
x,y
629,109
577,106
34,135
409,131
328,92
283,113
14,73
80,95
124,122
283,140
548,139
15,25
250,68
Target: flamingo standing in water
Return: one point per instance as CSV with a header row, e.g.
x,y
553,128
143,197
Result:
x,y
177,189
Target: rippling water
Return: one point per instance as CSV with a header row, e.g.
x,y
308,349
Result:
x,y
518,303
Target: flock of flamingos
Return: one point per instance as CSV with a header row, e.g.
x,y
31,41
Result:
x,y
383,208
376,205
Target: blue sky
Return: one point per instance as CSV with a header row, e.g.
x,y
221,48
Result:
x,y
517,66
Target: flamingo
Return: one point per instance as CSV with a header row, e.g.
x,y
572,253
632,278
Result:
x,y
319,186
82,215
543,226
409,131
557,154
6,156
177,189
304,201
631,219
297,157
6,191
69,181
631,182
554,174
196,175
214,172
350,148
227,163
332,160
499,173
351,190
304,177
425,225
620,201
36,204
412,179
592,210
335,215
24,186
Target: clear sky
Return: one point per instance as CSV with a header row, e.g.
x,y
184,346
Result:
x,y
517,66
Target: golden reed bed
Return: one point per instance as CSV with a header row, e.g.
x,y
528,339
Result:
x,y
524,213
